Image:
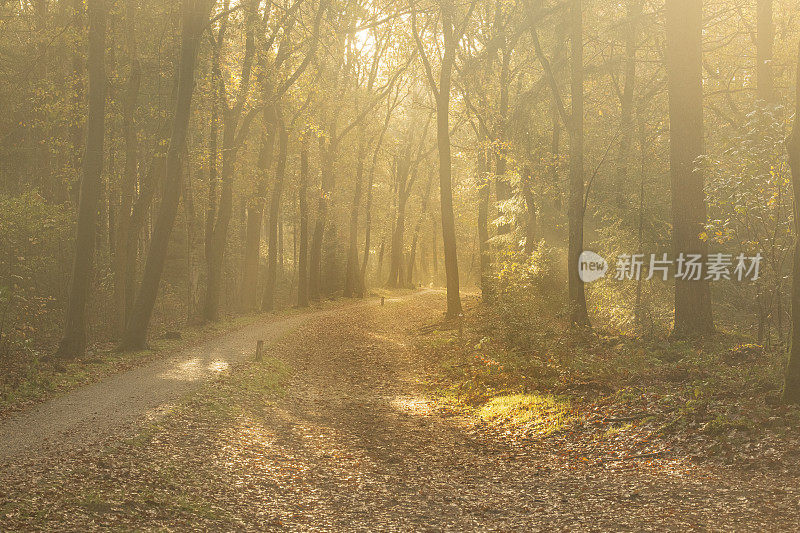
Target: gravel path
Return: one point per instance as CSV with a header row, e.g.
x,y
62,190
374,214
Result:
x,y
355,445
88,415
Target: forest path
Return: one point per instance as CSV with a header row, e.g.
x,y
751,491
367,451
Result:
x,y
354,444
87,415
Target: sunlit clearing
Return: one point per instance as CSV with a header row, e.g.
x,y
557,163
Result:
x,y
541,414
219,366
412,404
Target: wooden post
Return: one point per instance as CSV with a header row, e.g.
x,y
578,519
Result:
x,y
259,350
383,299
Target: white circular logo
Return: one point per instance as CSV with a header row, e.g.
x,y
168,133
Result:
x,y
591,267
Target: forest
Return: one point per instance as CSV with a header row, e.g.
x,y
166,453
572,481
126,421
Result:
x,y
254,247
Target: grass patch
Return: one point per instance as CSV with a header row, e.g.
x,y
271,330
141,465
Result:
x,y
541,414
538,377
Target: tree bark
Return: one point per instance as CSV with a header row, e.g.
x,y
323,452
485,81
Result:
x,y
302,254
791,387
351,280
230,147
409,279
268,300
684,85
627,101
445,166
195,16
483,225
73,342
765,39
255,214
404,183
577,293
328,157
128,187
530,207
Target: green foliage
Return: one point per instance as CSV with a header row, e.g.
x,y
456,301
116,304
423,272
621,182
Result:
x,y
34,239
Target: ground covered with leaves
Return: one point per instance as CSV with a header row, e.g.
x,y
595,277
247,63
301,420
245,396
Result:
x,y
337,429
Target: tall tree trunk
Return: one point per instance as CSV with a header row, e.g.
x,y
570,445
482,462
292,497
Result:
x,y
268,300
255,214
627,101
765,39
577,293
195,16
409,279
128,188
328,156
404,183
302,255
484,193
791,388
684,85
368,221
73,342
530,208
351,280
77,127
445,166
230,147
503,187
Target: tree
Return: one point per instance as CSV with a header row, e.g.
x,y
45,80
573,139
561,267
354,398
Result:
x,y
302,255
684,20
268,300
452,33
73,342
195,15
124,279
791,387
765,40
234,130
573,121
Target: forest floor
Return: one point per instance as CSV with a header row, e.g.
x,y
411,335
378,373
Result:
x,y
341,427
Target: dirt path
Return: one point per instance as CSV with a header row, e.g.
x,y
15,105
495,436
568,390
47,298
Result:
x,y
88,415
354,445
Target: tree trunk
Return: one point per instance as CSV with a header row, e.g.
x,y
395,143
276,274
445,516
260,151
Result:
x,y
684,85
73,342
445,168
409,279
302,257
268,300
351,280
503,187
530,207
230,146
791,388
195,17
255,215
128,187
626,102
765,39
315,256
577,294
404,183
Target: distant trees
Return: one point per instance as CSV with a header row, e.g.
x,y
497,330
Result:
x,y
295,133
